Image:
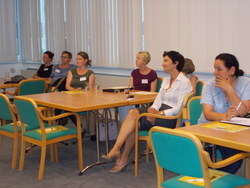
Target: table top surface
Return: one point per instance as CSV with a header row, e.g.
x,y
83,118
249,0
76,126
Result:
x,y
237,140
85,101
3,86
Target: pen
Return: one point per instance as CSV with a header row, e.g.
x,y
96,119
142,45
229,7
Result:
x,y
238,107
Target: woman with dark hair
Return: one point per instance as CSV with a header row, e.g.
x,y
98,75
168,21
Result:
x,y
226,96
78,78
168,102
45,69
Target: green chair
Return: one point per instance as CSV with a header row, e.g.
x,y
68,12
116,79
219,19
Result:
x,y
199,87
192,112
29,87
159,82
29,114
143,134
10,130
182,153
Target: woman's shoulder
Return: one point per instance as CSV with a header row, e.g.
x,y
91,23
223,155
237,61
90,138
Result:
x,y
90,71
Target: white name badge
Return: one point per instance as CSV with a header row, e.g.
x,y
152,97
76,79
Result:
x,y
45,69
144,81
58,70
82,79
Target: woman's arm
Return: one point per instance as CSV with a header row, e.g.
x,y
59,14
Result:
x,y
91,82
68,82
193,81
131,82
153,85
211,115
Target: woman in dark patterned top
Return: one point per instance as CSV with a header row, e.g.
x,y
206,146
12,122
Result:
x,y
79,77
45,69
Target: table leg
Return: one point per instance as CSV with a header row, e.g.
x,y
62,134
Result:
x,y
247,168
98,162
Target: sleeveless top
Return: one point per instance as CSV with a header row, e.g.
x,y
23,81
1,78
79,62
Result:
x,y
80,81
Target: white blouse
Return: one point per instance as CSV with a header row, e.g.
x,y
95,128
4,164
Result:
x,y
173,96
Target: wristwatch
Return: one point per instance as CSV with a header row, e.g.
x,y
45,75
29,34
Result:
x,y
162,113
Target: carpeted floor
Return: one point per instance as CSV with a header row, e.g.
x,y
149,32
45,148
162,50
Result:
x,y
64,174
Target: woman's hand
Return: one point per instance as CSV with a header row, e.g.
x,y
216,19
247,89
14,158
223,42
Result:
x,y
231,112
151,119
223,83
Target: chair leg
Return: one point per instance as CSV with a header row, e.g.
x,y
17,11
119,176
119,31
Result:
x,y
147,153
22,155
42,162
136,158
14,154
56,152
52,152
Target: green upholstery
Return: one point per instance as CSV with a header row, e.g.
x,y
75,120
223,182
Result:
x,y
170,150
4,110
199,87
32,87
195,110
10,128
180,155
38,136
159,82
27,113
143,133
228,181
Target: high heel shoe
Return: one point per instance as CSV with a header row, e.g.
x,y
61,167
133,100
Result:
x,y
120,168
112,158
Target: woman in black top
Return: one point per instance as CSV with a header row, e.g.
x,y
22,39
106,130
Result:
x,y
45,69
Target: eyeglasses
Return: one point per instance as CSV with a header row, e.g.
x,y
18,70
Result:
x,y
64,57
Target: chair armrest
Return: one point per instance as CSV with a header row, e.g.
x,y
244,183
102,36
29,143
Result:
x,y
152,115
185,113
52,118
227,161
9,93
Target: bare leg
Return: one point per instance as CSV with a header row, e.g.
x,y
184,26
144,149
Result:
x,y
127,129
129,144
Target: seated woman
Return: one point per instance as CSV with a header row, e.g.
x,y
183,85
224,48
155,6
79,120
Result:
x,y
79,77
188,70
45,69
142,79
168,102
224,97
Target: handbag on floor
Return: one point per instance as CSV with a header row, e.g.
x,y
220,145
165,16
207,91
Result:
x,y
112,128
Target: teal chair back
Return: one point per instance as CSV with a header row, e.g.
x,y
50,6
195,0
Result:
x,y
176,154
194,109
29,87
159,82
5,113
26,109
199,87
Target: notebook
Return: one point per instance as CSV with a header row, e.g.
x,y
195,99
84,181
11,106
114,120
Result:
x,y
239,121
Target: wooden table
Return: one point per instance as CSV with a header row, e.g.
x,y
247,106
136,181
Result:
x,y
89,101
237,140
4,86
